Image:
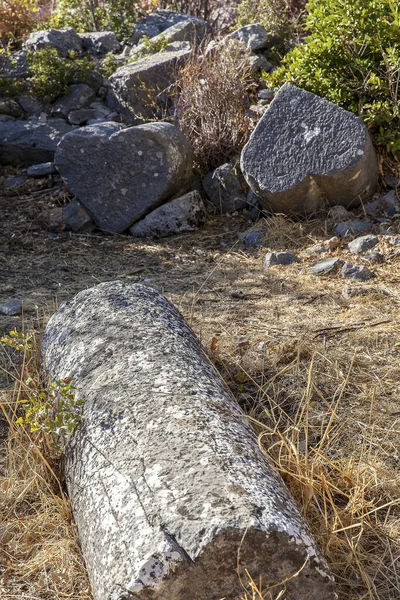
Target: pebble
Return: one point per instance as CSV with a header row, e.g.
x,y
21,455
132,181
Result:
x,y
356,272
279,258
363,243
10,308
324,267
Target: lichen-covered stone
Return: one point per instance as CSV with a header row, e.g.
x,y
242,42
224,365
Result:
x,y
306,151
121,174
167,482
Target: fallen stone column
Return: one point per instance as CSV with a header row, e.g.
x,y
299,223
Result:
x,y
169,489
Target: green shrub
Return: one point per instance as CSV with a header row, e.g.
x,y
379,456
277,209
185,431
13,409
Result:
x,y
352,58
96,15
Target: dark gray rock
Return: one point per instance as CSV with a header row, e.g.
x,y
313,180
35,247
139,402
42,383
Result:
x,y
6,118
266,94
100,43
13,183
327,266
279,258
253,37
80,95
121,174
375,257
92,78
392,182
77,218
363,243
255,206
41,170
191,31
81,116
14,66
63,40
25,143
224,190
253,239
11,308
259,62
305,150
185,213
390,203
9,106
352,227
165,476
31,105
159,21
357,272
141,87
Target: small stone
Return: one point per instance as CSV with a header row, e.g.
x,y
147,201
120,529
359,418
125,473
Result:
x,y
352,227
224,190
394,240
375,257
327,266
77,218
253,239
392,182
13,183
338,213
41,170
254,36
11,308
356,272
279,258
373,208
362,244
266,94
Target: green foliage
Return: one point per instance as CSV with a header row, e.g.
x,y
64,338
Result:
x,y
96,15
109,65
51,75
352,58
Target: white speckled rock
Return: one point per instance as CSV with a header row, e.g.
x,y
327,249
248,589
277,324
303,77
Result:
x,y
306,151
166,479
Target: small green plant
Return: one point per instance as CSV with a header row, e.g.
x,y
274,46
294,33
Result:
x,y
352,58
96,15
51,75
109,65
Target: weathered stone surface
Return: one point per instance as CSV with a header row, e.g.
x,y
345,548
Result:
x,y
356,272
185,213
13,183
27,143
41,170
306,149
327,266
224,190
166,479
14,66
254,36
191,31
9,106
96,110
100,43
63,40
279,258
363,243
121,174
352,227
141,87
159,21
79,96
31,105
10,308
77,218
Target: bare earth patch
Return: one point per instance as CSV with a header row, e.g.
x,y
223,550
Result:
x,y
317,373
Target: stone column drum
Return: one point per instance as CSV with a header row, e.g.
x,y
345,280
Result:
x,y
169,489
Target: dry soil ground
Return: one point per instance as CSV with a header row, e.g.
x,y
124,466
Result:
x,y
281,337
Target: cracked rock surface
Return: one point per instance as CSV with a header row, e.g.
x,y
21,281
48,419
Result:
x,y
165,475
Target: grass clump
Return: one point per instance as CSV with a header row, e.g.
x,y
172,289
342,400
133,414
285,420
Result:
x,y
214,92
352,58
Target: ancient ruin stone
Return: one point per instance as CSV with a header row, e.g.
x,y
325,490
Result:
x,y
142,87
306,150
166,479
121,174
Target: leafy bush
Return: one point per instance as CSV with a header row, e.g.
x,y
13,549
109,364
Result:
x,y
17,19
352,58
96,15
214,95
51,75
279,17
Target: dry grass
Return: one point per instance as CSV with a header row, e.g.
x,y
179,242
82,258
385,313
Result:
x,y
319,378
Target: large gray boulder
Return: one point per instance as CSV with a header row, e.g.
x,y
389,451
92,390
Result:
x,y
100,43
185,213
142,87
305,149
121,174
159,21
192,31
63,40
25,143
169,489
